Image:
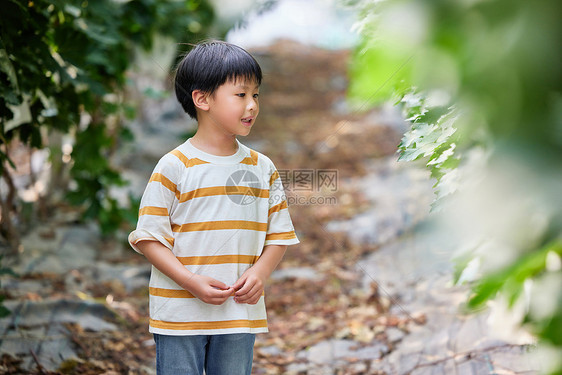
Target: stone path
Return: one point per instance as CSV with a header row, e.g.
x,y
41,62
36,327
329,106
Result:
x,y
411,269
52,297
416,272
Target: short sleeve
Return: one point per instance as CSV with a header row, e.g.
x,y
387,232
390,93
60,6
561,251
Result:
x,y
156,206
280,230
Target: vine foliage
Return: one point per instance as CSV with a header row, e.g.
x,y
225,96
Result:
x,y
481,85
63,78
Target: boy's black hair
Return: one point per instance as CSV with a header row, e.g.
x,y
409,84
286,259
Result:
x,y
208,66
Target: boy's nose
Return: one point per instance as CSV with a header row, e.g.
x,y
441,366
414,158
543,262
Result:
x,y
252,105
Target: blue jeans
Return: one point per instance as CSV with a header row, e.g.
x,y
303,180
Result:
x,y
229,354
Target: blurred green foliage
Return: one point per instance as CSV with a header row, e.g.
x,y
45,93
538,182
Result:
x,y
63,68
481,78
500,59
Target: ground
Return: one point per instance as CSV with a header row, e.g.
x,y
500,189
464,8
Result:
x,y
363,293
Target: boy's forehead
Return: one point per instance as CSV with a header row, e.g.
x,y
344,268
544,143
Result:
x,y
244,82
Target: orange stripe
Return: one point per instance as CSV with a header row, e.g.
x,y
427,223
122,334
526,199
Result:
x,y
243,323
224,190
273,177
252,159
277,207
170,240
218,225
218,259
247,191
180,156
174,293
170,293
196,161
152,210
159,177
281,236
186,161
254,156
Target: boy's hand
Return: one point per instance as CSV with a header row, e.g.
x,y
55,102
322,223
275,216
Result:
x,y
249,287
208,289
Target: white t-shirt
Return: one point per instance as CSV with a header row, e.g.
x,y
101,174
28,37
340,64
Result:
x,y
216,214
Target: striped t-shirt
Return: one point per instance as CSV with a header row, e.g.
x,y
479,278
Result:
x,y
216,214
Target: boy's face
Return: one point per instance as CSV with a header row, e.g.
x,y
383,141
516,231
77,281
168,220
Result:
x,y
234,106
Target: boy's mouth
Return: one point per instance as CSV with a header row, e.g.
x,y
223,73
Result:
x,y
247,120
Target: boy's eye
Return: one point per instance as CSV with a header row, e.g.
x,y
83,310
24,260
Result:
x,y
256,96
241,95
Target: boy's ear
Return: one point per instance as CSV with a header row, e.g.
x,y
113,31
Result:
x,y
200,99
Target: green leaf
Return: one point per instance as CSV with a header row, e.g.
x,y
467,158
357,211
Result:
x,y
460,264
511,278
8,271
4,312
369,86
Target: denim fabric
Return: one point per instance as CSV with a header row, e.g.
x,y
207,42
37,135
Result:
x,y
229,354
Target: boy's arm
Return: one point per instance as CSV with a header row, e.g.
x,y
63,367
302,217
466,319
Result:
x,y
249,287
205,288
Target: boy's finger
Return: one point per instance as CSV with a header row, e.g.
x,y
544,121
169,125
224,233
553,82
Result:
x,y
219,296
219,285
244,290
252,294
226,293
253,301
239,283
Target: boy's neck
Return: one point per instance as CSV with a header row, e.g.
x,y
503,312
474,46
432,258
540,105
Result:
x,y
214,143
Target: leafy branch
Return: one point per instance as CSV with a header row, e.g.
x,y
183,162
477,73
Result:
x,y
63,78
485,118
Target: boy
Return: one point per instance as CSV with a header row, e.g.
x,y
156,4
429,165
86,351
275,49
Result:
x,y
213,222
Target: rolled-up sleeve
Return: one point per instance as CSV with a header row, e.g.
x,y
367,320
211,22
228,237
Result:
x,y
280,230
157,203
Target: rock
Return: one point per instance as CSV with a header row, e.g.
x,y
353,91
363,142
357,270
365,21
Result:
x,y
394,334
18,288
71,247
327,351
297,368
133,277
415,272
401,265
89,315
321,370
271,350
515,359
333,350
305,273
474,367
357,368
38,327
469,335
400,196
